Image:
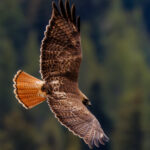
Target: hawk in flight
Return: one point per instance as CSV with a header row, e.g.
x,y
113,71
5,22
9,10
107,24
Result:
x,y
60,60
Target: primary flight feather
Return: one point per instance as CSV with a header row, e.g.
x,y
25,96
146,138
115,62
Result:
x,y
60,60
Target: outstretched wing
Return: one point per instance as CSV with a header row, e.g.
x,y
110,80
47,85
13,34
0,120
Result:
x,y
60,49
78,119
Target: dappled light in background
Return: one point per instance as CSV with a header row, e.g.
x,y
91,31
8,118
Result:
x,y
114,73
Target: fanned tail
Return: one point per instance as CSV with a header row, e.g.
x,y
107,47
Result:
x,y
28,90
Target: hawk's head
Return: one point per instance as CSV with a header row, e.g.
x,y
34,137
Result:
x,y
86,102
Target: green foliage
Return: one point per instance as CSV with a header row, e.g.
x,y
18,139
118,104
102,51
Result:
x,y
126,77
7,66
114,74
31,54
90,62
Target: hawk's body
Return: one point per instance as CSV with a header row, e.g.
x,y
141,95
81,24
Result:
x,y
60,61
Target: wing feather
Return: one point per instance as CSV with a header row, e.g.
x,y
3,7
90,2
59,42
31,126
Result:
x,y
73,14
61,6
67,5
60,49
78,119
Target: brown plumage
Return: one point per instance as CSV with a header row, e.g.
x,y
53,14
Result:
x,y
59,62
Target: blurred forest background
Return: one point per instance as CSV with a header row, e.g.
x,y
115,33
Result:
x,y
115,73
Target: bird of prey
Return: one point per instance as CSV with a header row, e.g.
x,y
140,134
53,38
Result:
x,y
59,67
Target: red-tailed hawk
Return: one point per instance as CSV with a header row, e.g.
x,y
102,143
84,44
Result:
x,y
59,66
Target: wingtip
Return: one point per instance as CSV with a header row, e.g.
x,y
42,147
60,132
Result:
x,y
67,11
103,138
73,6
97,139
73,14
62,9
60,2
53,4
67,1
67,7
55,9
